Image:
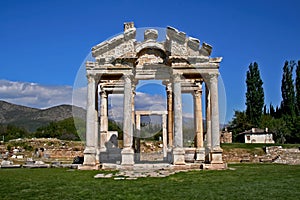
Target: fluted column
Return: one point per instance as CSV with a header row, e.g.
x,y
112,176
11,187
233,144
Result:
x,y
134,139
127,152
178,139
200,151
198,118
91,115
138,131
178,151
170,114
164,134
215,125
96,130
103,119
208,122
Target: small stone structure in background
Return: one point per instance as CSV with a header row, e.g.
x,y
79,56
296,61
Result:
x,y
225,136
256,135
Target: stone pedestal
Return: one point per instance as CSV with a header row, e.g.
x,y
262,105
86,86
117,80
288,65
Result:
x,y
103,140
178,156
169,158
90,156
127,157
216,156
207,155
200,155
189,155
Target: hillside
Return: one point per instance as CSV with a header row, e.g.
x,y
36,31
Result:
x,y
32,118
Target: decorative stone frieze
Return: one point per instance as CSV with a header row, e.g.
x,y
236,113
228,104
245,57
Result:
x,y
182,64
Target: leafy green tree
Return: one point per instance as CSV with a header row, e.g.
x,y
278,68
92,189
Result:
x,y
114,126
239,124
272,110
254,94
298,88
278,127
297,130
11,131
287,90
64,129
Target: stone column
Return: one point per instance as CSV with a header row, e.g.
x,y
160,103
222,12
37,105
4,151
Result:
x,y
216,153
208,123
97,135
127,151
103,120
90,149
178,151
164,134
170,115
134,139
200,151
138,131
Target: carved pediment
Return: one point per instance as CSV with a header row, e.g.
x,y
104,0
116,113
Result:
x,y
177,48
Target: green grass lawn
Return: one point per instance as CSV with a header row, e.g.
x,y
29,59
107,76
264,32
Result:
x,y
251,146
247,181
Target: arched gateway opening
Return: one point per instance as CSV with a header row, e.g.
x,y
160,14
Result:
x,y
182,66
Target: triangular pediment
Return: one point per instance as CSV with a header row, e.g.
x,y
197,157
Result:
x,y
126,46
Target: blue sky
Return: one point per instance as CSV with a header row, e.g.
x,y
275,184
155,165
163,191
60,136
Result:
x,y
43,43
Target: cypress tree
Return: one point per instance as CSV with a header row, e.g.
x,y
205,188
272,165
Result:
x,y
254,95
272,110
287,90
265,110
298,88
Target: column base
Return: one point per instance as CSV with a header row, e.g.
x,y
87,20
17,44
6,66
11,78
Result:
x,y
103,140
200,155
127,156
169,157
98,155
207,155
90,156
178,156
216,156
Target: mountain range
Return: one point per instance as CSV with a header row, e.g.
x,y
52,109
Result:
x,y
32,118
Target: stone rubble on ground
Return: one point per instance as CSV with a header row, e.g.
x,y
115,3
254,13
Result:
x,y
133,175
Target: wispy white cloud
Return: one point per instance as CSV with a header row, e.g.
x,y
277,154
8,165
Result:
x,y
43,96
79,97
34,95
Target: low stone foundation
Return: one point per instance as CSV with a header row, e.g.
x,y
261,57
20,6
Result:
x,y
164,166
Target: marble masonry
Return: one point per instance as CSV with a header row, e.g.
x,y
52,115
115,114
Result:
x,y
183,66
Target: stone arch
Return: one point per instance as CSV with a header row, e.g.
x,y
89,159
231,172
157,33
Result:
x,y
178,56
151,55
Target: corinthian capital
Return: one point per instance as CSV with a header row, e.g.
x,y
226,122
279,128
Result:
x,y
127,78
176,78
91,78
210,78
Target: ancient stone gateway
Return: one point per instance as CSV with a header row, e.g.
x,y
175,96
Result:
x,y
181,64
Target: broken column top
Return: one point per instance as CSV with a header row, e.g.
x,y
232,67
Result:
x,y
128,25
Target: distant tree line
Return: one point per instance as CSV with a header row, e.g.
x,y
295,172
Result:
x,y
64,130
283,120
10,131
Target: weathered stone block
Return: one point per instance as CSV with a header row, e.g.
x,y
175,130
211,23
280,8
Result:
x,y
89,156
178,156
200,155
150,34
127,157
216,156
